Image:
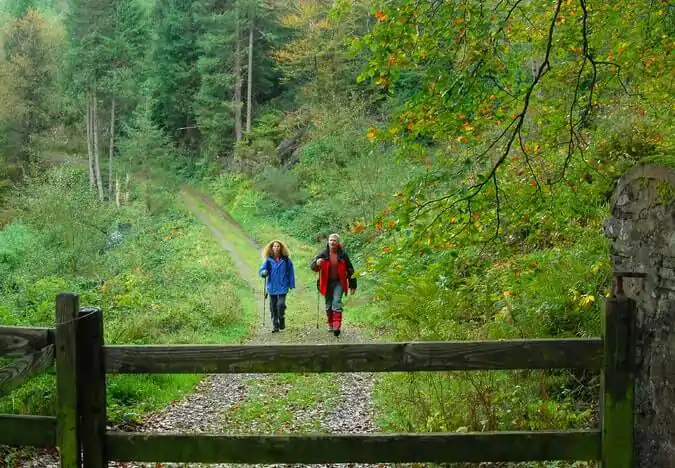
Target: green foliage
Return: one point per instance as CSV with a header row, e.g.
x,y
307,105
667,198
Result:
x,y
174,79
53,205
144,144
15,241
154,270
282,186
31,46
463,402
315,57
325,190
19,8
213,106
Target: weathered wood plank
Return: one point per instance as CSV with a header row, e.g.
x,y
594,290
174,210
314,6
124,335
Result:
x,y
19,341
468,447
30,431
68,437
16,373
617,383
379,357
92,387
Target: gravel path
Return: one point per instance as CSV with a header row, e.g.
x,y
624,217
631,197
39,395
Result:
x,y
205,409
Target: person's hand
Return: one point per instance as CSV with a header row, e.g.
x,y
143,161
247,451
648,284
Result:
x,y
264,273
319,262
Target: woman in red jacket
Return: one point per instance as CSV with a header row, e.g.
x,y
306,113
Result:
x,y
335,279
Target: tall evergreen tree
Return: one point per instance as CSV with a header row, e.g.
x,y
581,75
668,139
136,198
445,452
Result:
x,y
213,104
174,78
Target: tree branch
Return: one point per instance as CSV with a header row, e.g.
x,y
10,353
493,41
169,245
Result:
x,y
518,121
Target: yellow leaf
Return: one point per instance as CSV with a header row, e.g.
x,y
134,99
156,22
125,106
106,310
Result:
x,y
586,300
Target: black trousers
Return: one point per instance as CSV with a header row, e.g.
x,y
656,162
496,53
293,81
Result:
x,y
278,310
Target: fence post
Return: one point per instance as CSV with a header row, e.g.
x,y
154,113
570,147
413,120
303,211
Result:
x,y
617,379
92,387
67,427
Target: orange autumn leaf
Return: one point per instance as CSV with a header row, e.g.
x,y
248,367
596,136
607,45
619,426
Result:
x,y
358,228
381,15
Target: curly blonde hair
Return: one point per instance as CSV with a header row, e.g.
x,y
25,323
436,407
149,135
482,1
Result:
x,y
267,250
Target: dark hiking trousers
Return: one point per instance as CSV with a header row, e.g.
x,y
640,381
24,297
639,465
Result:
x,y
278,311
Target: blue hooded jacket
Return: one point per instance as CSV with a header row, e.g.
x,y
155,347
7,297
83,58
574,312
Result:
x,y
280,275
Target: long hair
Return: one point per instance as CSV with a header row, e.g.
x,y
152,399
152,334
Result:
x,y
267,250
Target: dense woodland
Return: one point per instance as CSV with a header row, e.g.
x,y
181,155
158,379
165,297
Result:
x,y
467,150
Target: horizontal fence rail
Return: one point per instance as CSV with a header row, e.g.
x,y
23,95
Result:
x,y
378,357
30,350
429,448
19,341
17,372
29,431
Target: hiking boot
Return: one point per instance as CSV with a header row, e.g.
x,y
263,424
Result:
x,y
275,330
336,332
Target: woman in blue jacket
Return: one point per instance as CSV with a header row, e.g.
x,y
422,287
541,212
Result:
x,y
277,269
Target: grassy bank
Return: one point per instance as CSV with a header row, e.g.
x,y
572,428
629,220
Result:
x,y
155,270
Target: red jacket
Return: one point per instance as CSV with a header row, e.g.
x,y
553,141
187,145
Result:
x,y
344,268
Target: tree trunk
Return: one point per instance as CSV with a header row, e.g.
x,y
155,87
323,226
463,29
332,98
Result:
x,y
111,149
117,191
237,75
97,158
127,190
249,91
90,148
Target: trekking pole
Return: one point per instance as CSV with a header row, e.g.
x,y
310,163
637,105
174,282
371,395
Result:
x,y
317,309
264,299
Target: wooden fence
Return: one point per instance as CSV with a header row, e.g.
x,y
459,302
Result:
x,y
83,360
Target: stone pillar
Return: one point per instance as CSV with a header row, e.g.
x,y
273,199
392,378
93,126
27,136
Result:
x,y
642,236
